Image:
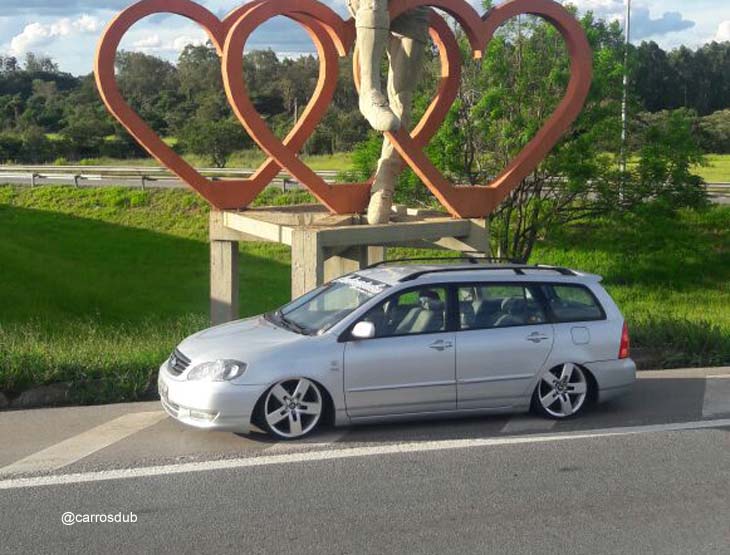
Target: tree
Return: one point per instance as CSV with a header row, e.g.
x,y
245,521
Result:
x,y
9,64
85,132
37,149
506,97
199,71
715,132
669,150
653,76
143,81
11,147
39,64
216,139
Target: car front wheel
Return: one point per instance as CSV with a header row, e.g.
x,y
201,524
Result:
x,y
562,392
292,408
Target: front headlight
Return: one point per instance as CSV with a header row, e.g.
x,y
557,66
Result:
x,y
217,371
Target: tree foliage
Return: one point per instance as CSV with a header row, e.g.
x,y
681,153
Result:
x,y
507,96
682,78
176,100
215,138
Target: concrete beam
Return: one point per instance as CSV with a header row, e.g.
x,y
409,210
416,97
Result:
x,y
260,229
393,233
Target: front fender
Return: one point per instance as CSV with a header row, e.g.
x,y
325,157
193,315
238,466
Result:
x,y
319,360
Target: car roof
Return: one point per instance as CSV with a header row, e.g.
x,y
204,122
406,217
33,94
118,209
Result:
x,y
437,273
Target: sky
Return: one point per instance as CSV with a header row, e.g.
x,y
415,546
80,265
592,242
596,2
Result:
x,y
68,30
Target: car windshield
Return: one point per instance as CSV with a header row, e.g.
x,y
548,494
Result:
x,y
320,309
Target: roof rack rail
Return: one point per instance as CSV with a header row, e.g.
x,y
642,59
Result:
x,y
516,268
472,259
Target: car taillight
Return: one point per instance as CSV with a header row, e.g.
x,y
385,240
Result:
x,y
623,350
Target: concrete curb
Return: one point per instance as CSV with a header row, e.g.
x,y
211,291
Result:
x,y
64,394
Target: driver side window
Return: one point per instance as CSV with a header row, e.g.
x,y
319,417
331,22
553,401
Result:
x,y
411,312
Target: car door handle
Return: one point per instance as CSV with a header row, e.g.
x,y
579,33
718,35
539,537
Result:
x,y
441,345
537,337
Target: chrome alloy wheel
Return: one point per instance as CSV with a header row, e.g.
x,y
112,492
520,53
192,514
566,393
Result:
x,y
562,392
293,408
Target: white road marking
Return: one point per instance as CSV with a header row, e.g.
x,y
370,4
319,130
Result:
x,y
717,396
525,423
681,373
84,444
335,454
320,441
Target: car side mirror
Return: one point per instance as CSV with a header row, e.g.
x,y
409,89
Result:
x,y
363,330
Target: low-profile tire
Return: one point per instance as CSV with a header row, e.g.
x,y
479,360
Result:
x,y
562,392
292,408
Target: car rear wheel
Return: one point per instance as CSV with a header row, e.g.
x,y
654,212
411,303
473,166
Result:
x,y
562,392
292,408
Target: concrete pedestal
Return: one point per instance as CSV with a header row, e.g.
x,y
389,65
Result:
x,y
324,246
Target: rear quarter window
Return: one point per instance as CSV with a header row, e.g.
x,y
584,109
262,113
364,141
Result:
x,y
573,303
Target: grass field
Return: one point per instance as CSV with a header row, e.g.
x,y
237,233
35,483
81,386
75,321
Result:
x,y
717,169
98,285
244,159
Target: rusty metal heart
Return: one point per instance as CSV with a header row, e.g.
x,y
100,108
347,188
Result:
x,y
222,194
479,201
331,36
340,198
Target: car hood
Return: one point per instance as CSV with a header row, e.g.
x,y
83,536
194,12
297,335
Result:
x,y
240,340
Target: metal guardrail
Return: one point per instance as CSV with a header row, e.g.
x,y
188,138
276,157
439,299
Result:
x,y
156,177
130,176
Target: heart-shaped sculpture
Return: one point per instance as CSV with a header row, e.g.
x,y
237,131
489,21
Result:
x,y
223,194
479,201
340,198
332,35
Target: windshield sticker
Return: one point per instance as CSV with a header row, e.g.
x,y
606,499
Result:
x,y
369,286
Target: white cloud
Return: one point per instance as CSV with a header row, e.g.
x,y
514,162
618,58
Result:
x,y
150,42
36,35
181,42
286,55
643,25
88,23
169,43
723,32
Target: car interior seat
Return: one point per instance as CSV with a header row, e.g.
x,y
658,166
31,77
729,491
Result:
x,y
514,312
467,314
426,317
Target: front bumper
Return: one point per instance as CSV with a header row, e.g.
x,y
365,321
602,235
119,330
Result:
x,y
219,406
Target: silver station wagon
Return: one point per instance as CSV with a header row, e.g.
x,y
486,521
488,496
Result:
x,y
407,341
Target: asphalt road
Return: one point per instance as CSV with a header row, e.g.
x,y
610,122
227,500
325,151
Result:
x,y
646,474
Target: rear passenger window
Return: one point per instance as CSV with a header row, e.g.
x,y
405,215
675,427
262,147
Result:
x,y
573,303
498,306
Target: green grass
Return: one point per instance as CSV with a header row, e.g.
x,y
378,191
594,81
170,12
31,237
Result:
x,y
98,285
668,272
103,283
717,169
244,159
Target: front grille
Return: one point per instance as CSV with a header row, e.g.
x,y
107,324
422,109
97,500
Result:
x,y
178,363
